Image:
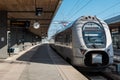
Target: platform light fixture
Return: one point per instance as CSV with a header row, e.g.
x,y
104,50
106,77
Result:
x,y
39,11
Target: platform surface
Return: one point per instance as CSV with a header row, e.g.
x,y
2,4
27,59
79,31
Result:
x,y
38,63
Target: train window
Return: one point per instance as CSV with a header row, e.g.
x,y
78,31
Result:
x,y
94,35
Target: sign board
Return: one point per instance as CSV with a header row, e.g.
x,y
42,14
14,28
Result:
x,y
20,23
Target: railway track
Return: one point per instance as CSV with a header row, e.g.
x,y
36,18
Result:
x,y
95,76
101,75
111,73
108,74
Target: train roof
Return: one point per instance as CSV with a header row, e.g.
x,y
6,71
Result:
x,y
80,19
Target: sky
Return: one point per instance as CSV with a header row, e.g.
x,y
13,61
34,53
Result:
x,y
70,10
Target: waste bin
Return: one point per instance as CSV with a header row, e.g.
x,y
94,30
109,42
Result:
x,y
10,50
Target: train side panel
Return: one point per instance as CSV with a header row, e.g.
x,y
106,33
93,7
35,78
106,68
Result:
x,y
77,46
109,47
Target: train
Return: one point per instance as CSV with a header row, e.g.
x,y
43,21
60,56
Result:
x,y
86,43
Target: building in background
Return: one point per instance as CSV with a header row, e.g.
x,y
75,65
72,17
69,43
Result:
x,y
114,24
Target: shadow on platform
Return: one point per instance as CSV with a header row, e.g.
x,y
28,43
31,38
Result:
x,y
40,54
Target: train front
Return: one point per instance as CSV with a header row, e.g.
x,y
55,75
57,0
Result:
x,y
97,48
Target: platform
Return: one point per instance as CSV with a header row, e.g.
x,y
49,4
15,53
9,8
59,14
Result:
x,y
38,63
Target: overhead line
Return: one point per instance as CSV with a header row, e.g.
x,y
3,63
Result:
x,y
75,4
81,8
68,13
108,8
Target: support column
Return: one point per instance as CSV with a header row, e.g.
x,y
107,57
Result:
x,y
3,34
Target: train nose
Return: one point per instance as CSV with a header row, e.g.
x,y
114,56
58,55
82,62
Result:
x,y
96,59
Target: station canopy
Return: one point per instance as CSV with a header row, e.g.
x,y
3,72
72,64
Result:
x,y
113,22
25,10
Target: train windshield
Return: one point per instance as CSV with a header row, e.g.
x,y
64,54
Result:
x,y
94,35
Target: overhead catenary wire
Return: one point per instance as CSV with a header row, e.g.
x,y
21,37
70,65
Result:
x,y
73,8
80,9
75,2
63,13
116,4
75,12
